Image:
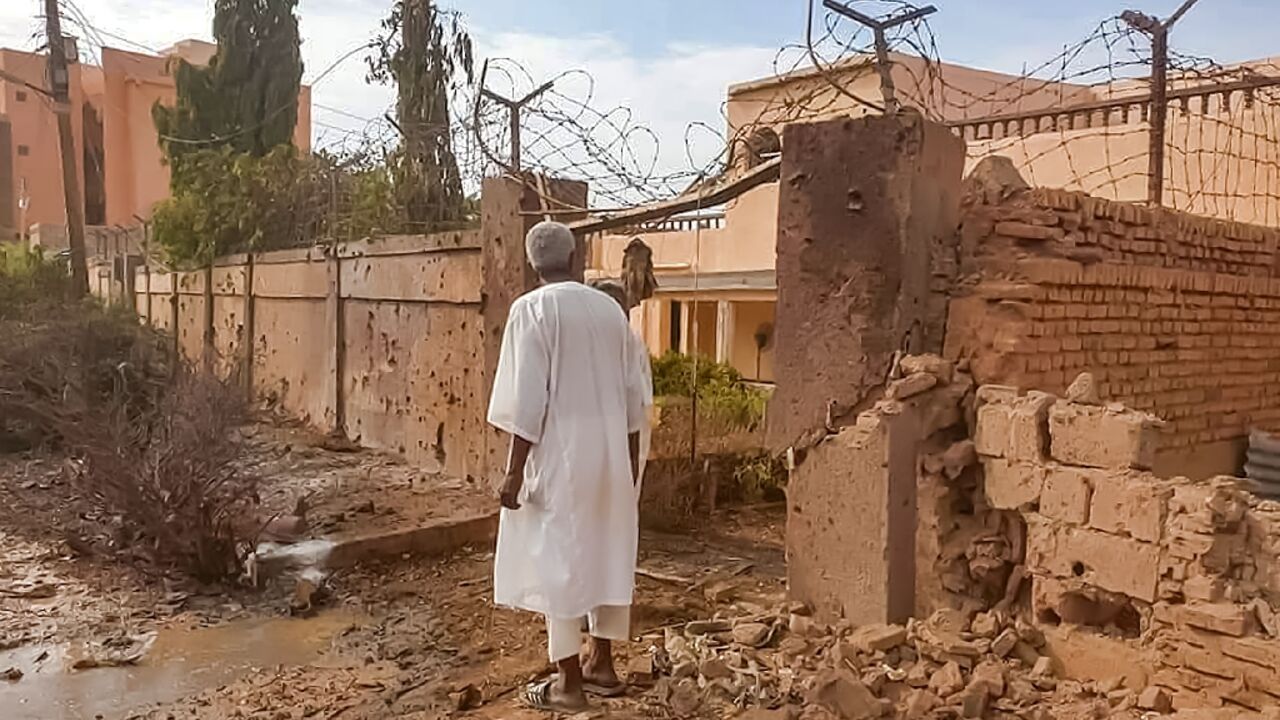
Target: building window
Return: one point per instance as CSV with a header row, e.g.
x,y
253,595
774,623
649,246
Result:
x,y
24,150
20,95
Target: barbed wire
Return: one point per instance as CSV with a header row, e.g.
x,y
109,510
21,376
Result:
x,y
1221,157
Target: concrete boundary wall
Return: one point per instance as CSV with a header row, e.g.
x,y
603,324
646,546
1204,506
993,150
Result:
x,y
391,341
380,338
1173,314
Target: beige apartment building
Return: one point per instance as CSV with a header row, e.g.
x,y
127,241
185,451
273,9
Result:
x,y
118,159
716,269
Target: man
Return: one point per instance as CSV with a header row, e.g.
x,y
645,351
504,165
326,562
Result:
x,y
620,295
568,391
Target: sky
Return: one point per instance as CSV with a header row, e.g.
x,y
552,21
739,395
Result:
x,y
668,61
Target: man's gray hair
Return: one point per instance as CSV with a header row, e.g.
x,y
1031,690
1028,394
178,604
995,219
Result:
x,y
549,246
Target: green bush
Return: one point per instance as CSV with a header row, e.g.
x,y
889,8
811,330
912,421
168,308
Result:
x,y
29,281
723,396
227,202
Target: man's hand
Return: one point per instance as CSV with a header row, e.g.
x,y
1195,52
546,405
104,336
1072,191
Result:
x,y
517,456
509,493
633,451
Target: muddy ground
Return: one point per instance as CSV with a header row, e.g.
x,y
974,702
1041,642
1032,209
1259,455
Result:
x,y
416,638
90,627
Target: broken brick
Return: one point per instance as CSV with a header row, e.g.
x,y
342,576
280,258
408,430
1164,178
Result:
x,y
1156,699
1102,437
1067,492
874,638
845,695
1134,505
1224,618
1029,427
1012,486
911,386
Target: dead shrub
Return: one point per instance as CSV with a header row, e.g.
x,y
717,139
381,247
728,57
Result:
x,y
170,474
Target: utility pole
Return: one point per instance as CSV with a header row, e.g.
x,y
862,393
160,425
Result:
x,y
1158,113
879,27
60,85
513,107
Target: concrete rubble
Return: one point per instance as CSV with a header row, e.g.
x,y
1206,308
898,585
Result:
x,y
1177,574
950,665
1045,554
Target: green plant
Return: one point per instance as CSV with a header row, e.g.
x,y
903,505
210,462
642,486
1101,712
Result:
x,y
427,53
29,281
246,98
760,477
723,397
226,201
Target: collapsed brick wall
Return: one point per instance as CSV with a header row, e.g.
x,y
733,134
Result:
x,y
1173,314
1183,573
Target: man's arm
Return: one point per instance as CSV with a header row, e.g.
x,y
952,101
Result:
x,y
517,455
633,448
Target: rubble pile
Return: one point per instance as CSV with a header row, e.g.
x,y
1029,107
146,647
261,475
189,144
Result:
x,y
952,665
1178,574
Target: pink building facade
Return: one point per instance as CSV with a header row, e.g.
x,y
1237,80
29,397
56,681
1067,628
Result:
x,y
119,162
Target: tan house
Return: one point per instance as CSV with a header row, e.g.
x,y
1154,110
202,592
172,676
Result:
x,y
716,268
118,158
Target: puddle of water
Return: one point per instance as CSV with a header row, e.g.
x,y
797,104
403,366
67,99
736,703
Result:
x,y
183,661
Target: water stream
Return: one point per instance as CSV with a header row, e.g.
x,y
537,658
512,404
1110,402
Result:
x,y
183,661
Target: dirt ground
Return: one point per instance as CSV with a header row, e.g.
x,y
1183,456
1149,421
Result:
x,y
417,638
89,628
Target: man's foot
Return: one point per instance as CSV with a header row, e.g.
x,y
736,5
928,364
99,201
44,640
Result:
x,y
598,674
551,696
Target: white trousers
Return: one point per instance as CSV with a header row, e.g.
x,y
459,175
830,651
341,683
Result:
x,y
607,622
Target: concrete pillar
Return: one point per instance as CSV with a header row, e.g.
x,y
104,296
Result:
x,y
866,207
508,208
851,522
724,330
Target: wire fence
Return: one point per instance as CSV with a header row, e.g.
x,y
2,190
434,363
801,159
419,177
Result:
x,y
1079,119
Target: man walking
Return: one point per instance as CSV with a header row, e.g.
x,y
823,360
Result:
x,y
568,390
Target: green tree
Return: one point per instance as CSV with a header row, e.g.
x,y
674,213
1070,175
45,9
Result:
x,y
235,179
246,98
427,54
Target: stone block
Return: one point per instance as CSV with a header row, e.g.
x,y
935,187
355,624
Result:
x,y
1102,437
1067,492
935,365
1130,504
878,637
1029,427
992,436
910,386
1113,563
1010,485
1223,618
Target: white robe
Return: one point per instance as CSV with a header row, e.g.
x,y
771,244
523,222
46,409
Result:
x,y
568,382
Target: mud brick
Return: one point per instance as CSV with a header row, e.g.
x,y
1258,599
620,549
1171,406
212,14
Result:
x,y
1204,588
1029,427
1011,485
1113,563
1101,437
1221,617
1066,493
1131,504
994,423
1027,231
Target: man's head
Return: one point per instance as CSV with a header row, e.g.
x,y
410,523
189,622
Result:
x,y
613,289
549,247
